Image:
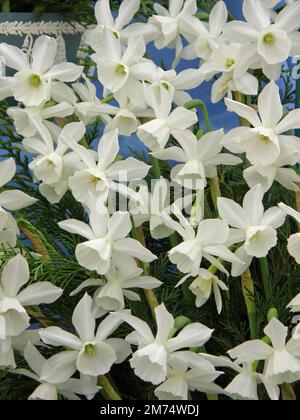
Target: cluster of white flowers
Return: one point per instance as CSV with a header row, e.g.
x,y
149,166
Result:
x,y
56,105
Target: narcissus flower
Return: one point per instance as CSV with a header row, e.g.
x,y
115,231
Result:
x,y
90,353
31,84
282,364
150,361
253,227
50,389
271,42
13,316
262,143
107,240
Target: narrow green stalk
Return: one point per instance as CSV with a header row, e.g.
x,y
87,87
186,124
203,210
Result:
x,y
249,296
149,294
107,99
197,103
108,389
265,272
5,6
215,191
155,167
174,240
197,208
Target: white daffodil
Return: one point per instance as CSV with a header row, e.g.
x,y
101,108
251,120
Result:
x,y
152,205
18,343
121,26
54,165
271,42
101,173
112,291
150,361
10,200
90,353
262,143
205,37
107,240
200,157
171,24
207,243
233,62
179,82
279,171
13,316
31,84
118,70
187,371
282,364
252,226
203,286
50,389
244,386
156,133
23,117
124,117
294,240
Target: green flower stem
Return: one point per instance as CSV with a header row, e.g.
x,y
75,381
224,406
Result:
x,y
174,240
197,103
108,389
107,99
5,6
265,272
155,167
149,294
249,296
215,191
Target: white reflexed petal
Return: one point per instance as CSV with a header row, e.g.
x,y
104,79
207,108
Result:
x,y
269,105
251,351
243,111
253,205
55,336
60,367
232,213
64,72
127,10
135,249
15,200
14,57
7,171
38,293
277,332
15,275
43,54
294,246
256,14
165,323
193,335
83,320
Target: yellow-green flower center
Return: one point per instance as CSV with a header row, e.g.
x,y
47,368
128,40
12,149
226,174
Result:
x,y
94,180
121,69
265,139
230,62
90,350
166,85
35,80
269,38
